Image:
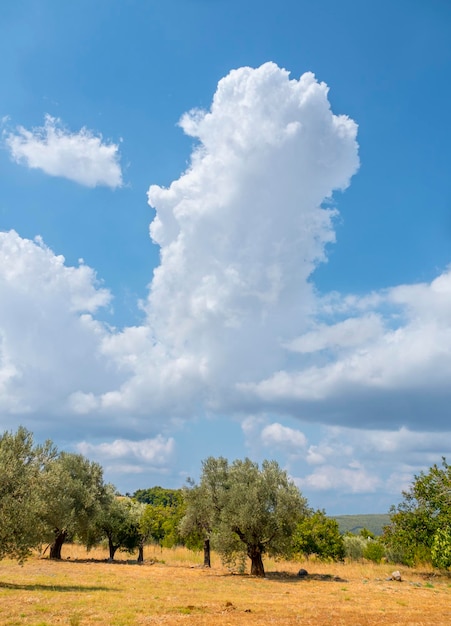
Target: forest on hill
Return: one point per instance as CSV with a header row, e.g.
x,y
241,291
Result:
x,y
375,523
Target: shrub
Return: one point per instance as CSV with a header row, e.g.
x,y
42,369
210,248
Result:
x,y
441,549
354,547
374,551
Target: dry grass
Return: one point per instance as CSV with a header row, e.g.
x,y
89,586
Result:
x,y
172,588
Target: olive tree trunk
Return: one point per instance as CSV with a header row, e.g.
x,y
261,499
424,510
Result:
x,y
141,552
207,553
255,555
55,548
111,548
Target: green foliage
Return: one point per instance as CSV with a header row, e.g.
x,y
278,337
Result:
x,y
119,521
363,546
318,534
196,526
441,548
160,524
162,515
366,534
22,467
354,547
374,550
74,495
246,510
158,496
425,509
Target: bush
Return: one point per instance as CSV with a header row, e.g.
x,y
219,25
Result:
x,y
318,534
441,549
396,554
354,547
374,551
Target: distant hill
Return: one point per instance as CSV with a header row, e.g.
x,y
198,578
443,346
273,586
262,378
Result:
x,y
354,523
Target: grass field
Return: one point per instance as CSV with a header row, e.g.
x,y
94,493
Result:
x,y
172,588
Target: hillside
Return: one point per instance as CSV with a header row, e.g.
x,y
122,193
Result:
x,y
354,523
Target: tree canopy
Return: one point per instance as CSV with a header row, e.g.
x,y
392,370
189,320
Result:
x,y
318,534
74,496
423,512
246,510
22,464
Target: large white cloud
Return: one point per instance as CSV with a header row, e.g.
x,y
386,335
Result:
x,y
124,455
240,233
82,157
394,368
50,343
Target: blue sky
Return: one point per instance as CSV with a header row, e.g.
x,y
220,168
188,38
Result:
x,y
292,298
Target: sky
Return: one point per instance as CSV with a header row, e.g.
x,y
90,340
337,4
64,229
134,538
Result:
x,y
225,230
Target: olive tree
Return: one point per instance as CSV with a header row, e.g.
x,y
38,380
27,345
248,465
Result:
x,y
204,504
196,525
22,469
118,520
249,511
74,497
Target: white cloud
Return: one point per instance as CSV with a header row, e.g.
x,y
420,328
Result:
x,y
345,479
288,439
156,452
124,459
416,449
347,334
354,461
240,233
396,372
50,344
82,157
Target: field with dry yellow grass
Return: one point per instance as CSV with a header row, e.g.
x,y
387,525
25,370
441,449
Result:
x,y
172,588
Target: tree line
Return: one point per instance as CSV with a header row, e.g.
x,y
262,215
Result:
x,y
49,497
241,510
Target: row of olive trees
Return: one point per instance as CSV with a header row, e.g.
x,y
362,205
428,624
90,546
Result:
x,y
49,498
241,510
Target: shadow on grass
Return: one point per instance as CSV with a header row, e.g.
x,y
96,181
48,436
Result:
x,y
289,577
108,561
62,588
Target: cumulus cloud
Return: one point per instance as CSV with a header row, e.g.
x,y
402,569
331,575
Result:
x,y
264,436
346,479
240,233
158,451
50,343
355,460
348,333
394,369
82,157
127,460
279,436
346,462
